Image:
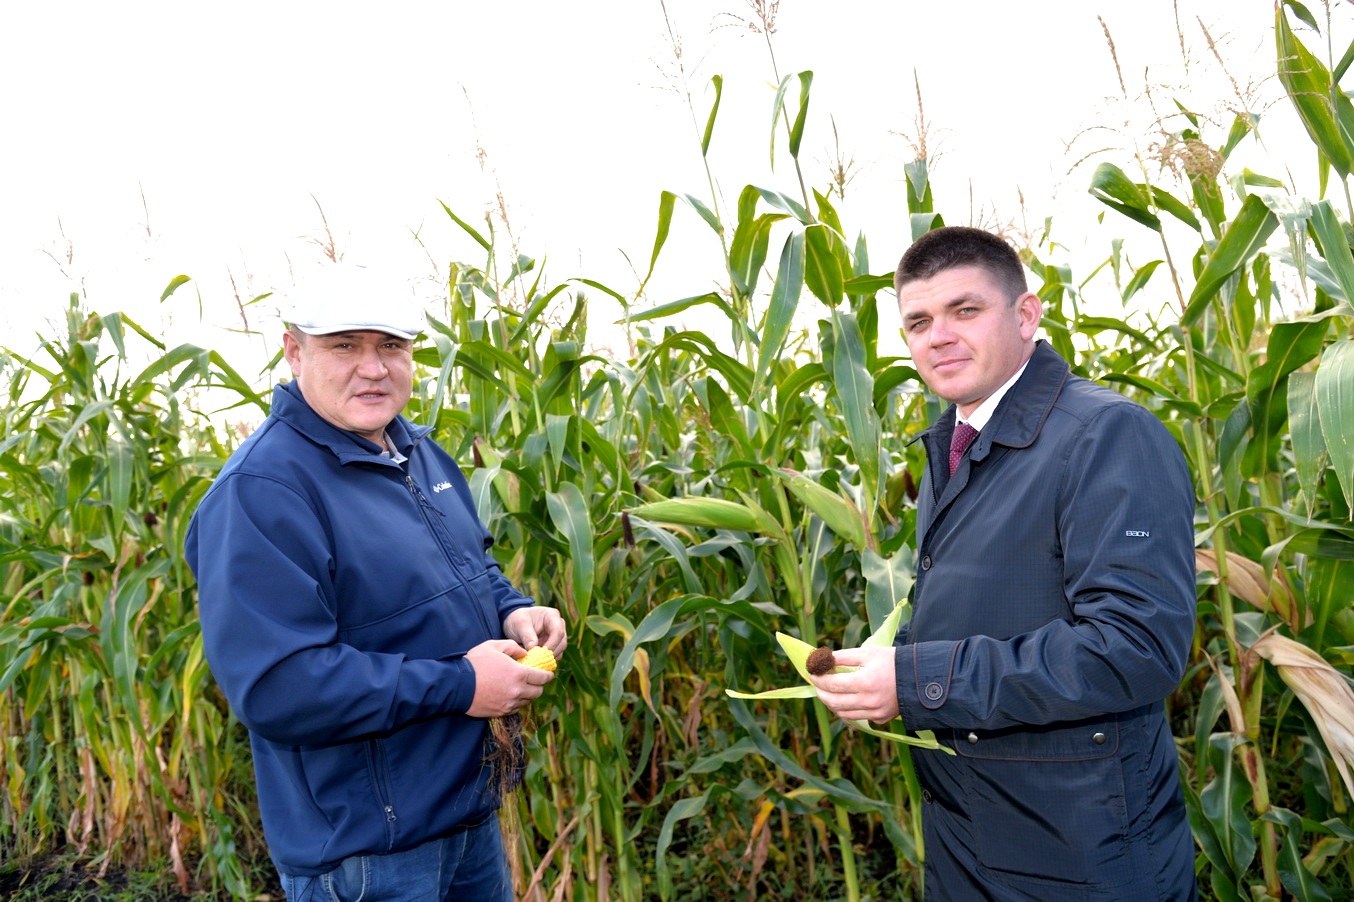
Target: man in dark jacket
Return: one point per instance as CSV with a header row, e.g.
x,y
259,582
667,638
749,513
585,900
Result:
x,y
355,619
1053,610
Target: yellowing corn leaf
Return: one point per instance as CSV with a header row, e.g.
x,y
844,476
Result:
x,y
1248,581
1323,691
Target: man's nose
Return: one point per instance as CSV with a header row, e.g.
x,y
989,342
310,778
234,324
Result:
x,y
371,366
940,332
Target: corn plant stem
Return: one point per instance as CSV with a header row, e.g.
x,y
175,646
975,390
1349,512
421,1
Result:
x,y
594,831
808,629
808,632
59,745
1269,836
914,800
1204,467
785,117
834,772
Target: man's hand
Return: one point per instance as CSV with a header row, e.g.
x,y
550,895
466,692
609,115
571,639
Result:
x,y
534,626
870,693
503,686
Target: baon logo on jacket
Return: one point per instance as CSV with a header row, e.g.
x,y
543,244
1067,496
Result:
x,y
441,486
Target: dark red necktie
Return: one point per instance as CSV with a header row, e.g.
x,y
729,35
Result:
x,y
964,434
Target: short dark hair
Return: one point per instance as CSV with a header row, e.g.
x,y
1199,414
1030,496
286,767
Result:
x,y
949,247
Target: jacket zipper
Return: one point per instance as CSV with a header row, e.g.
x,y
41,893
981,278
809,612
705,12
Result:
x,y
381,784
453,554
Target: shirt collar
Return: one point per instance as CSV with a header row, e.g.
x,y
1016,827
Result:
x,y
978,419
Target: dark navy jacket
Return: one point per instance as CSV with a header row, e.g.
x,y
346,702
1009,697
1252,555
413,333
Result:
x,y
339,592
1053,612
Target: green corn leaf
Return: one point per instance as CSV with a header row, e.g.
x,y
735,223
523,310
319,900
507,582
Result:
x,y
1321,105
1240,243
747,253
804,691
1335,247
718,82
682,809
855,391
1291,345
1223,804
469,230
121,474
173,286
531,317
888,581
919,201
784,303
797,130
778,106
673,307
1304,425
609,292
1335,405
1297,879
570,514
826,264
867,284
1117,191
704,212
786,204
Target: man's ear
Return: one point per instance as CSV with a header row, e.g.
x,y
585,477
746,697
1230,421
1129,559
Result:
x,y
1030,310
291,349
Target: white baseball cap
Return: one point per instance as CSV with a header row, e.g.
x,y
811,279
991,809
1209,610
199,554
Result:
x,y
347,297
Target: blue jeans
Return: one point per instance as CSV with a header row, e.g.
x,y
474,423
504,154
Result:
x,y
469,865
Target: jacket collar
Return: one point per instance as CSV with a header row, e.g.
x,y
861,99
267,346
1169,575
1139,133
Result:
x,y
291,407
1021,414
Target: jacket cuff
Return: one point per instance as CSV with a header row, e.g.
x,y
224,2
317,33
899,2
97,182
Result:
x,y
462,685
923,672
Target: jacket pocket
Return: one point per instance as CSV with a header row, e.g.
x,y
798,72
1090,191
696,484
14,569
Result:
x,y
1048,803
379,770
1080,740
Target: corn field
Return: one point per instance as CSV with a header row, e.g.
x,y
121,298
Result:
x,y
684,502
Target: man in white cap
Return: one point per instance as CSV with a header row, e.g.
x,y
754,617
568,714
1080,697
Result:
x,y
356,620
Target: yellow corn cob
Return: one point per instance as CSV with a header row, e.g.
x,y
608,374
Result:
x,y
539,657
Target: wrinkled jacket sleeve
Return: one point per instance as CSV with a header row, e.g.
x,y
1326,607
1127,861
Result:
x,y
271,634
1127,639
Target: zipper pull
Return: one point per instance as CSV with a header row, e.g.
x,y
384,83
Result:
x,y
390,813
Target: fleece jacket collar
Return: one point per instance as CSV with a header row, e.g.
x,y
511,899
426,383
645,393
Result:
x,y
290,407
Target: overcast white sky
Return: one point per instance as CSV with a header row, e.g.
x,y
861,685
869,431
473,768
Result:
x,y
228,118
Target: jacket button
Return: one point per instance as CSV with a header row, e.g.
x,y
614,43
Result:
x,y
926,562
934,691
972,738
1098,738
926,796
